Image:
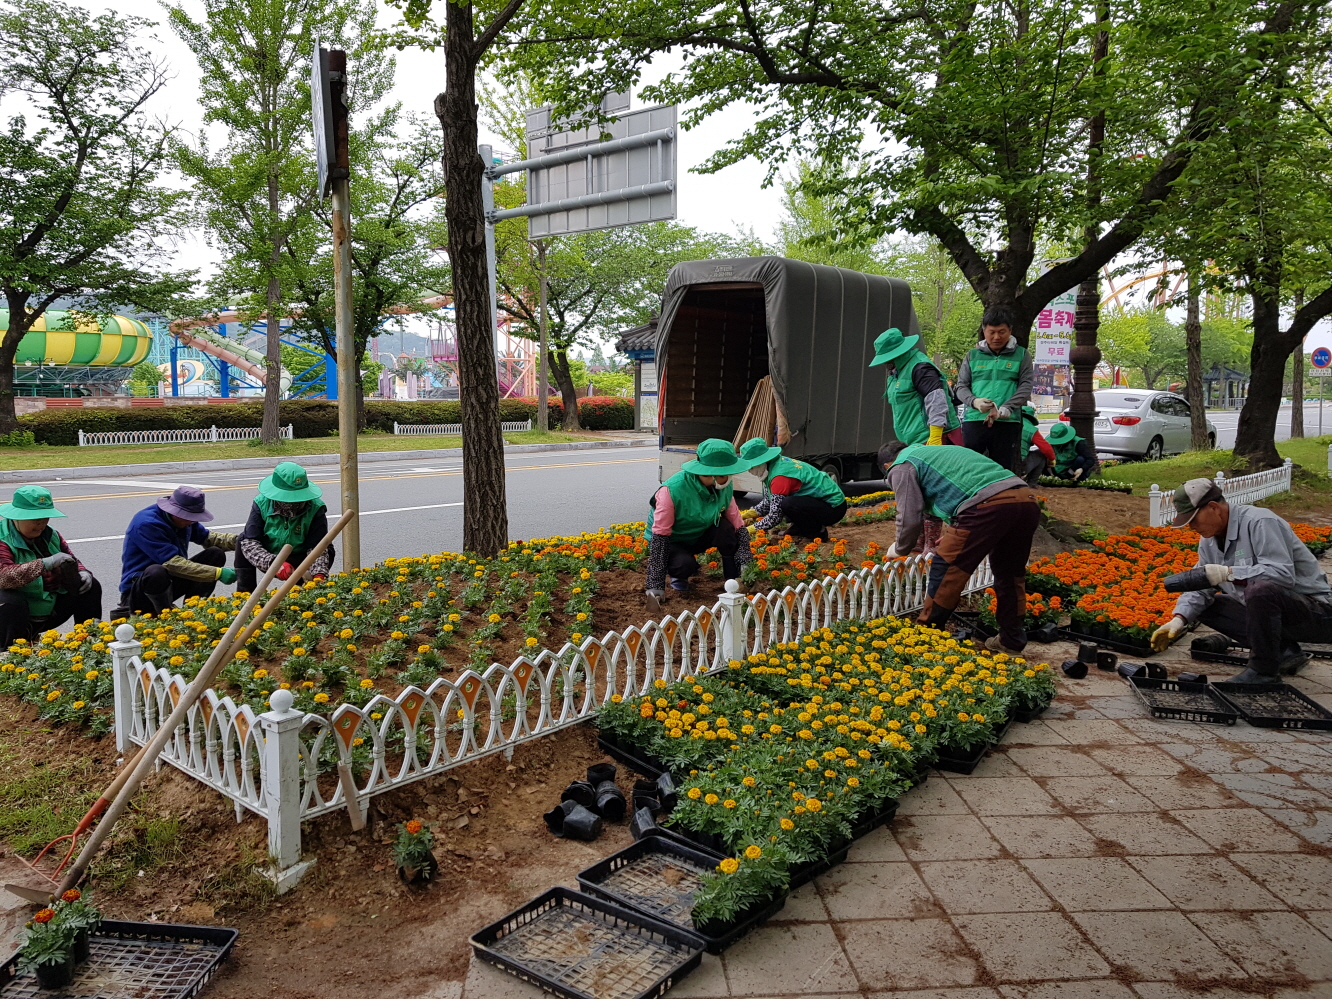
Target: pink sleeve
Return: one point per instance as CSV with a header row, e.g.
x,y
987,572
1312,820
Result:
x,y
733,515
663,514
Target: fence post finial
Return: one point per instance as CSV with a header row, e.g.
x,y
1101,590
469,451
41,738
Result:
x,y
732,605
1154,506
282,788
123,649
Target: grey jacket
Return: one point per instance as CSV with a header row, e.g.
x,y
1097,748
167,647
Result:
x,y
1026,379
1259,545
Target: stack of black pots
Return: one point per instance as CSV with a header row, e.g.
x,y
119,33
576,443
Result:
x,y
586,803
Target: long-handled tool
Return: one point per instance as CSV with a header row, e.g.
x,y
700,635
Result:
x,y
166,731
220,655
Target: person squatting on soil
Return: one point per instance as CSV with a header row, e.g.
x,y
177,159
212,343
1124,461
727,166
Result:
x,y
155,567
1036,450
692,511
287,511
1265,590
804,497
924,411
1074,458
988,511
994,384
42,584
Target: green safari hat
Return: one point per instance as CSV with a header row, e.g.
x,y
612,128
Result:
x,y
716,457
1061,433
756,451
30,503
289,483
890,344
1029,414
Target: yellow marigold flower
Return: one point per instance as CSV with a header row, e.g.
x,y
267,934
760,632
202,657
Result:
x,y
749,781
853,782
729,803
694,794
321,698
814,805
78,705
787,825
729,866
53,695
920,729
90,675
531,642
752,852
710,799
345,633
494,619
367,684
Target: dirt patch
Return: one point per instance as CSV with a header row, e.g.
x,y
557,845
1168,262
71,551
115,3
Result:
x,y
1113,513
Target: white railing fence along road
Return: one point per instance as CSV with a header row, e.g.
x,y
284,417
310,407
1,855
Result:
x,y
288,766
199,435
1240,489
452,429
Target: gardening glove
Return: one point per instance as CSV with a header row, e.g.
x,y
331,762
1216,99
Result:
x,y
1218,574
936,435
1076,474
226,574
1167,633
285,571
654,599
53,563
319,578
750,514
85,580
891,551
983,405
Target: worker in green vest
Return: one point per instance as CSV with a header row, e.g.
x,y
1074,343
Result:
x,y
923,409
692,511
42,584
1074,457
988,511
994,383
1037,452
806,498
287,511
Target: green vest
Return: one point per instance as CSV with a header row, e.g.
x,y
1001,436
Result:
x,y
279,531
1028,432
994,377
697,507
813,482
949,476
41,601
1066,453
909,422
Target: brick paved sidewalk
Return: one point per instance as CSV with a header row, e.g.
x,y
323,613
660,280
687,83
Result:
x,y
1096,854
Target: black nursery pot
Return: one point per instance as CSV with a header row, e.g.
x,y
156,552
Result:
x,y
426,872
82,946
649,801
642,821
1074,669
582,824
556,816
610,801
582,792
1129,670
1087,652
1193,677
599,773
666,793
1106,661
57,975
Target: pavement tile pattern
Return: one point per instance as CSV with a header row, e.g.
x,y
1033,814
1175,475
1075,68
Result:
x,y
1096,854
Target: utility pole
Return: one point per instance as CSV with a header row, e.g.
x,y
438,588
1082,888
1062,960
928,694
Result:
x,y
331,142
543,386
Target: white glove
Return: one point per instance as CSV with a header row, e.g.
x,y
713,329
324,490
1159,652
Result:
x,y
1077,474
1167,633
891,551
1218,574
654,599
983,405
85,580
1004,412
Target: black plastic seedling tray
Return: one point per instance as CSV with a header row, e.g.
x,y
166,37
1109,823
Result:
x,y
658,876
1123,648
1231,659
967,760
1275,705
649,768
1182,701
134,961
583,947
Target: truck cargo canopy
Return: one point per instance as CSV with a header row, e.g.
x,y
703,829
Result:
x,y
727,323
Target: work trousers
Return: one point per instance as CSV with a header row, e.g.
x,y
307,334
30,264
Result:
x,y
681,563
1002,528
999,441
16,620
155,589
809,517
1270,620
1035,467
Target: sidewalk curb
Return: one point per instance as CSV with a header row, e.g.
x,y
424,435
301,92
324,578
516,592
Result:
x,y
229,464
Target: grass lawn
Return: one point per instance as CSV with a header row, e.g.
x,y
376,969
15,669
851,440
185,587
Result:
x,y
1310,454
44,456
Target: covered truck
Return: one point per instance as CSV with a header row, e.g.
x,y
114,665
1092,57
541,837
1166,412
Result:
x,y
726,325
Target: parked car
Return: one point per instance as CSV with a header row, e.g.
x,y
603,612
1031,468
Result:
x,y
1133,423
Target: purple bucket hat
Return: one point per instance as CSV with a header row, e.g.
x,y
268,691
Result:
x,y
187,502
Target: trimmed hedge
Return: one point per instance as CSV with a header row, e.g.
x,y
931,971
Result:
x,y
309,418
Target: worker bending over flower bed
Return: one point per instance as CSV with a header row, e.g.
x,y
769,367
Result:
x,y
805,497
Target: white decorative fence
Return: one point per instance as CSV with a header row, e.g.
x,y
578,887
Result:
x,y
452,429
1240,489
287,766
200,435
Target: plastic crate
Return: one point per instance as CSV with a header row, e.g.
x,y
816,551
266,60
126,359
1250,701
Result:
x,y
1180,700
966,761
582,947
648,767
658,876
134,961
1123,648
1254,703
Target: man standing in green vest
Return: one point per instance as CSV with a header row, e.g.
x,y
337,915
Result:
x,y
42,584
994,383
923,409
692,511
988,510
1074,457
805,497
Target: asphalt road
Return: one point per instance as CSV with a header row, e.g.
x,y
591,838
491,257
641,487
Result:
x,y
409,507
1227,421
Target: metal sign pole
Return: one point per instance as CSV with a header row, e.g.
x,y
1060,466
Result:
x,y
543,383
492,267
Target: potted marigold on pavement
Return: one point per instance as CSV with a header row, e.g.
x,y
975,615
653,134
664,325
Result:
x,y
48,950
741,889
412,853
76,913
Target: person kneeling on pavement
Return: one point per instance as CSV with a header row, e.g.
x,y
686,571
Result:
x,y
987,510
287,511
692,511
42,584
1074,457
805,497
155,567
1264,589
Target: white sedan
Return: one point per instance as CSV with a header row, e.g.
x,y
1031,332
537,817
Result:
x,y
1143,423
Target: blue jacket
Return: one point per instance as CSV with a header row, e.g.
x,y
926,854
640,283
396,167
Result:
x,y
152,538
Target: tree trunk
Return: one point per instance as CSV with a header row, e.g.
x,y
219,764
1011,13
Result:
x,y
485,511
1297,382
1255,438
1198,439
559,363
